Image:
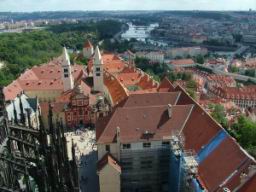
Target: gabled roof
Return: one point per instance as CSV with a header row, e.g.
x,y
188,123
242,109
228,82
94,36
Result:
x,y
88,44
197,134
165,86
221,160
134,122
152,99
108,159
182,62
116,90
218,169
250,185
44,77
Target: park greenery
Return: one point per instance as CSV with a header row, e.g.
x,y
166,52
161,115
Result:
x,y
219,114
244,130
160,70
20,51
156,70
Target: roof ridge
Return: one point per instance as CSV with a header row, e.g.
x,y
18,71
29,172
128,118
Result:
x,y
155,106
111,119
187,118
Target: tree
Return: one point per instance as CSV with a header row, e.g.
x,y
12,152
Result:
x,y
191,84
237,37
219,115
191,93
234,69
250,72
244,130
200,59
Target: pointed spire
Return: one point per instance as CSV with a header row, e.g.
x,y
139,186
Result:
x,y
88,44
97,56
73,150
50,121
66,60
22,115
15,113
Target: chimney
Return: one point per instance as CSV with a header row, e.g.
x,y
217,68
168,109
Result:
x,y
118,142
169,110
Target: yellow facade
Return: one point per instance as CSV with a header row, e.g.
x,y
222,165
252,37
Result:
x,y
44,95
109,179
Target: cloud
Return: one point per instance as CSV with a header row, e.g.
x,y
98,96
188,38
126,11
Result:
x,y
51,5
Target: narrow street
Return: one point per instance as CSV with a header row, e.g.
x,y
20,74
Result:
x,y
86,154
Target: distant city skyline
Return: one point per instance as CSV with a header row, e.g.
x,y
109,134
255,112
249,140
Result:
x,y
90,5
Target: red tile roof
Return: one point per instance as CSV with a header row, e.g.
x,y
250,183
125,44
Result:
x,y
115,88
152,99
136,122
112,63
222,80
165,85
108,159
244,93
250,185
205,130
182,62
146,82
222,168
129,78
44,77
221,164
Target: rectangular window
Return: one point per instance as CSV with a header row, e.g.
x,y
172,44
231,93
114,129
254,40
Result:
x,y
146,145
65,70
107,148
97,69
97,74
146,164
66,75
165,143
127,146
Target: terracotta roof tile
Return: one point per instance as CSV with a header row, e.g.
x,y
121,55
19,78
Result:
x,y
250,185
115,88
43,77
221,164
165,86
134,122
152,99
182,62
110,160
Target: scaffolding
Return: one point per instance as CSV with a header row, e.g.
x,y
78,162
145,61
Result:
x,y
183,165
145,170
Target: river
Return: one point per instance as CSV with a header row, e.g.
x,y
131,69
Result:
x,y
142,33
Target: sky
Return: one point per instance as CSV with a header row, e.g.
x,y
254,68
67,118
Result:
x,y
84,5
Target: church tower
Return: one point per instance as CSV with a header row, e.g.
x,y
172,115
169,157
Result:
x,y
87,49
98,83
67,78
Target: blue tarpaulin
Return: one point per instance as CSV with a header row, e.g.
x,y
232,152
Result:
x,y
196,185
211,146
